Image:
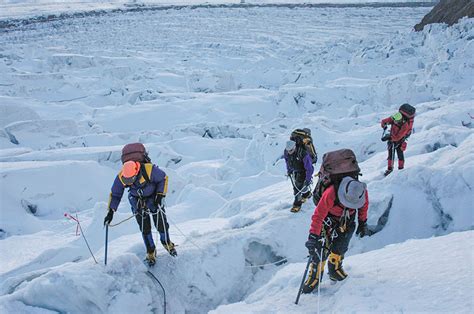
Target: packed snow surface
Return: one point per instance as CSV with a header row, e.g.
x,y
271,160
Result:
x,y
214,94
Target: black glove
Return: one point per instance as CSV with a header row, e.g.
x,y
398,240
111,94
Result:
x,y
109,217
159,200
386,137
362,229
314,243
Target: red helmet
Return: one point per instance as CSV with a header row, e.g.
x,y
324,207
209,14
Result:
x,y
130,172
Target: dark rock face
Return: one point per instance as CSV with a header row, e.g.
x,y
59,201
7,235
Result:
x,y
448,11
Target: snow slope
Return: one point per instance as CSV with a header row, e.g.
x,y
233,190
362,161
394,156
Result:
x,y
214,94
408,277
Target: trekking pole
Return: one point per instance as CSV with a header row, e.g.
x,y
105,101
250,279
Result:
x,y
302,281
106,241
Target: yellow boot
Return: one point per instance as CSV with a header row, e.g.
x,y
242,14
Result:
x,y
170,247
295,208
315,274
151,258
335,270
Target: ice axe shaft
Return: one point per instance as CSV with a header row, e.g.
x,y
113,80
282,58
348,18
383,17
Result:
x,y
106,241
302,281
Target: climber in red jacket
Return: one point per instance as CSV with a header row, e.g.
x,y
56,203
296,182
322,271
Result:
x,y
401,128
332,227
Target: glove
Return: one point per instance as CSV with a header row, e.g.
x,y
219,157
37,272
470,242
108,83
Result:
x,y
386,137
315,242
109,217
159,200
362,229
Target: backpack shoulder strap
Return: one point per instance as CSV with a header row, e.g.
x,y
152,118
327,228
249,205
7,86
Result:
x,y
120,178
336,190
145,171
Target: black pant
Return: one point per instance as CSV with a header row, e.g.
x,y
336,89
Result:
x,y
298,181
338,241
391,146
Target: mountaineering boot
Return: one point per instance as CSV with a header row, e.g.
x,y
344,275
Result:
x,y
315,274
401,164
169,246
295,208
151,258
335,270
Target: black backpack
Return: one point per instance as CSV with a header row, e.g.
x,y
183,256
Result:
x,y
303,140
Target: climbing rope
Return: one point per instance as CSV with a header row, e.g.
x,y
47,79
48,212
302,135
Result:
x,y
122,221
150,274
269,264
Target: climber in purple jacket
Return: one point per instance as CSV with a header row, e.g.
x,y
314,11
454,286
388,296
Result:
x,y
147,186
299,167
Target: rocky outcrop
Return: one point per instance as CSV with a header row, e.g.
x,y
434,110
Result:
x,y
447,11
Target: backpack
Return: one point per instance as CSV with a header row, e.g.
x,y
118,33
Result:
x,y
336,165
303,139
135,152
408,113
407,110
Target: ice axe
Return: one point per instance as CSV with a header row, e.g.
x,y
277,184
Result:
x,y
385,136
302,281
106,241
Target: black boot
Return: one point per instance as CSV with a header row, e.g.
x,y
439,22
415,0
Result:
x,y
335,270
315,274
388,171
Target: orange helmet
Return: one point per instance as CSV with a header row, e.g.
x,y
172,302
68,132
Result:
x,y
130,172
